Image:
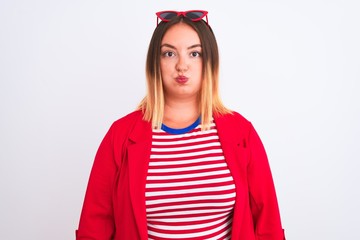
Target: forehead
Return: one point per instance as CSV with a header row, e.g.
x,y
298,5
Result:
x,y
181,33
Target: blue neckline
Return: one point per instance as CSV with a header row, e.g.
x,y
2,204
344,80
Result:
x,y
180,130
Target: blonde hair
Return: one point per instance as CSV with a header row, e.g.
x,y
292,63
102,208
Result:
x,y
210,103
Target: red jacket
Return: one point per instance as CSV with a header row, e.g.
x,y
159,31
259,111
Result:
x,y
114,205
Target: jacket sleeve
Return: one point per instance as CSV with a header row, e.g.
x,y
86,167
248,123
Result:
x,y
262,196
97,220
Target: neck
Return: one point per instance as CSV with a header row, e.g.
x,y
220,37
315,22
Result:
x,y
180,114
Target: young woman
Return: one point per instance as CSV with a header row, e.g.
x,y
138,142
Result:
x,y
182,166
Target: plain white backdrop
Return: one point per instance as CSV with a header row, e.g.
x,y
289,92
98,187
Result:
x,y
69,68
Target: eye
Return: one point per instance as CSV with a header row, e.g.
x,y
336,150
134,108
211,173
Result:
x,y
168,54
195,54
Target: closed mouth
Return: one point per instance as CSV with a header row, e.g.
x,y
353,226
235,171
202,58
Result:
x,y
181,79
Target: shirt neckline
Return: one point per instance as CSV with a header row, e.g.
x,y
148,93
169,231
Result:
x,y
180,130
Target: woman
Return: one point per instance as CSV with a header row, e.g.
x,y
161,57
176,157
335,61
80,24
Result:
x,y
182,166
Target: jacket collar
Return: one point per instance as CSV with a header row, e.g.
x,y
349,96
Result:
x,y
141,129
225,128
138,150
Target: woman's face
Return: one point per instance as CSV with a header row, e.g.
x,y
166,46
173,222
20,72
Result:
x,y
181,62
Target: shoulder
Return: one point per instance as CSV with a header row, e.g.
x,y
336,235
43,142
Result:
x,y
126,122
129,118
233,119
233,125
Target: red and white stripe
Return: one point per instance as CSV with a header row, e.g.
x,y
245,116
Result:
x,y
190,193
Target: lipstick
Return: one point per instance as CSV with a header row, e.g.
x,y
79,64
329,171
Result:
x,y
181,79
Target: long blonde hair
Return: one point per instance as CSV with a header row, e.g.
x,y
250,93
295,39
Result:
x,y
209,99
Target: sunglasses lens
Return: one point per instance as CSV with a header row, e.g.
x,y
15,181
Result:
x,y
195,15
167,15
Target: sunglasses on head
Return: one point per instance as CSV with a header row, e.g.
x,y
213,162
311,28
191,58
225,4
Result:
x,y
193,15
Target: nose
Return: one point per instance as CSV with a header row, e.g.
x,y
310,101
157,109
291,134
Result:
x,y
182,64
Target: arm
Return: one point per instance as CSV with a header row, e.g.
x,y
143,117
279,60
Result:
x,y
263,201
97,220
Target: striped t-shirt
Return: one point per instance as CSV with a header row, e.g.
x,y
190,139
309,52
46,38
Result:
x,y
190,193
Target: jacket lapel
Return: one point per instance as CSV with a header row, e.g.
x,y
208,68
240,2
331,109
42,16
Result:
x,y
232,143
139,148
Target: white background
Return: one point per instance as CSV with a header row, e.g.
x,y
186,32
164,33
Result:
x,y
69,68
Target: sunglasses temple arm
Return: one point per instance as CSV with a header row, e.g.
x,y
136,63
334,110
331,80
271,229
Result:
x,y
207,20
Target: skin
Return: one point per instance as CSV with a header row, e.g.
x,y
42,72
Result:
x,y
181,56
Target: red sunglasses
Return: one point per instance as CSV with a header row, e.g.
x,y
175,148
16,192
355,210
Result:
x,y
193,15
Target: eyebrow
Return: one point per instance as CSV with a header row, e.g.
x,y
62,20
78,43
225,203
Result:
x,y
171,46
